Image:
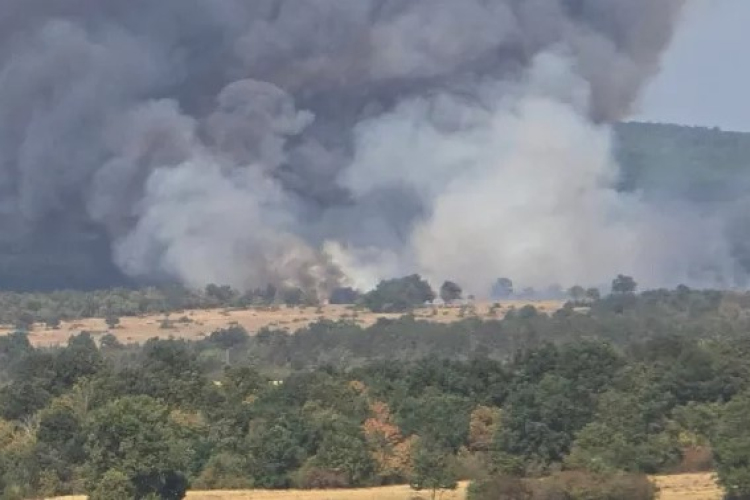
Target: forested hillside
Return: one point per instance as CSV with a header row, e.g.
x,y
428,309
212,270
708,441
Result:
x,y
690,163
592,398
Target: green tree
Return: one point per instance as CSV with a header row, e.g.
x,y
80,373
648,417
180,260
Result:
x,y
399,295
433,468
443,419
224,471
278,450
229,338
24,321
577,293
52,321
450,292
113,485
593,294
540,421
112,321
80,358
625,435
502,289
109,341
170,371
60,442
18,470
135,437
22,399
731,445
624,284
346,453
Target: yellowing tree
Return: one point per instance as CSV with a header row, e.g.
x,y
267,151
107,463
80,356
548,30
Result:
x,y
482,427
391,451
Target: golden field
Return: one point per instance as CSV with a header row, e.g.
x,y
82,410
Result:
x,y
688,487
677,487
195,324
384,493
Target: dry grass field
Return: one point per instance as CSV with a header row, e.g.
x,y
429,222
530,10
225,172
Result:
x,y
197,323
385,493
679,487
688,487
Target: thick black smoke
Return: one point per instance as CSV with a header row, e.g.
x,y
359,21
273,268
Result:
x,y
247,142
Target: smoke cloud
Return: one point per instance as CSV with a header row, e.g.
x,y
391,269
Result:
x,y
324,142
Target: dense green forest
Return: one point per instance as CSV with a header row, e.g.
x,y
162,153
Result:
x,y
689,163
590,399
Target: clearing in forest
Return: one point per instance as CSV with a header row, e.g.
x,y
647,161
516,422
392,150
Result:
x,y
194,324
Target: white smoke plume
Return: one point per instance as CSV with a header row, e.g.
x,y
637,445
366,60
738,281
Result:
x,y
323,142
522,183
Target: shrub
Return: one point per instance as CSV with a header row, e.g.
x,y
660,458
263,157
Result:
x,y
399,295
316,478
224,471
114,485
500,488
577,485
228,338
112,321
572,485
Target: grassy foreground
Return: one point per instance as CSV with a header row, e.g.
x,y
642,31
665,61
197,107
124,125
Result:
x,y
677,487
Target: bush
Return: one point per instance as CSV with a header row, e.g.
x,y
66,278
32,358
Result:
x,y
500,488
399,295
114,485
223,472
571,485
228,338
316,478
574,485
109,341
112,321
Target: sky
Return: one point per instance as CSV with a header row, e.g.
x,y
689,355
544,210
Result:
x,y
705,79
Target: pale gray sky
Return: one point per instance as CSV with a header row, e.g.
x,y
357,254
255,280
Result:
x,y
706,74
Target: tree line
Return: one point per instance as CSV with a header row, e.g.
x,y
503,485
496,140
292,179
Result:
x,y
579,405
398,295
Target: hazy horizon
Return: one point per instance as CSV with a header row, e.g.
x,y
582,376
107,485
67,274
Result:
x,y
703,78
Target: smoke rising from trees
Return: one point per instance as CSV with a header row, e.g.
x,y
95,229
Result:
x,y
318,142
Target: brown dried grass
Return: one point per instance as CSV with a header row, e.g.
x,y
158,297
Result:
x,y
205,321
674,487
